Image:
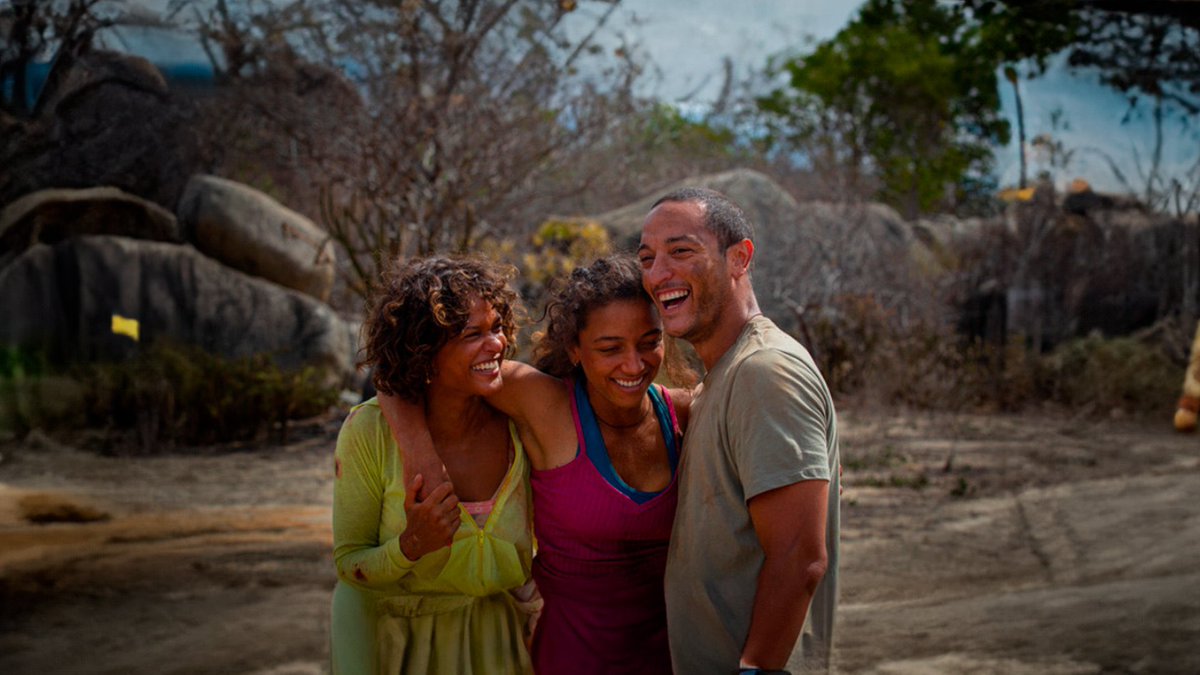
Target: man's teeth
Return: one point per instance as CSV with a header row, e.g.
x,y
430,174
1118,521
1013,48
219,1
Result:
x,y
627,383
678,294
486,367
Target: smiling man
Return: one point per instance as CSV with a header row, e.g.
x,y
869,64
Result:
x,y
752,570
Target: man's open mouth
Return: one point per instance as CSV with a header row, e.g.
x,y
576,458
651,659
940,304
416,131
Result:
x,y
672,298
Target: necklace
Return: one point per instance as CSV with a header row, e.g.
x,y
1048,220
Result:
x,y
630,425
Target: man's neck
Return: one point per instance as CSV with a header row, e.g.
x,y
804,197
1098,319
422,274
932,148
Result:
x,y
725,335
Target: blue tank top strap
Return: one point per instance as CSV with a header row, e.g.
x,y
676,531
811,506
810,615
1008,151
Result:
x,y
592,440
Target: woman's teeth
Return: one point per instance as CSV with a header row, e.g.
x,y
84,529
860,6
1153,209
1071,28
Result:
x,y
486,367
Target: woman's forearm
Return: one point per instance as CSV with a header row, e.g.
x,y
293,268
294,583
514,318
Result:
x,y
417,452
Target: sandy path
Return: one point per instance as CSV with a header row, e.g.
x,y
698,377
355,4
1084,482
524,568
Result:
x,y
1031,544
205,564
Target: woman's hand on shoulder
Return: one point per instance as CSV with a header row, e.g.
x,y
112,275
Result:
x,y
416,445
432,521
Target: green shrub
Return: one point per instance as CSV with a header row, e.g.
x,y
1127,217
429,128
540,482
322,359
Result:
x,y
27,398
172,394
19,362
1118,373
39,401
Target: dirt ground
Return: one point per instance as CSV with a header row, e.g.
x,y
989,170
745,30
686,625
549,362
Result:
x,y
970,543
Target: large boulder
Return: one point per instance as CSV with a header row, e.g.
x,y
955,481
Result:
x,y
49,216
111,122
251,232
806,253
63,298
767,204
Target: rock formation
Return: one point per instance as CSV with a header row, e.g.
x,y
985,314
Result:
x,y
249,231
63,298
50,216
804,252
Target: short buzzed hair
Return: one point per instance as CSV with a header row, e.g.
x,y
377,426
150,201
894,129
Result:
x,y
722,216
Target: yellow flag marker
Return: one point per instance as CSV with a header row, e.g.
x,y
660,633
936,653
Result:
x,y
123,326
1014,195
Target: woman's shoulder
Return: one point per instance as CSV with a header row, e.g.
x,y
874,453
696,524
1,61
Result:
x,y
549,432
363,415
364,426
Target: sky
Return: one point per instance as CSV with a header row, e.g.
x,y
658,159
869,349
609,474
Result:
x,y
1094,116
687,40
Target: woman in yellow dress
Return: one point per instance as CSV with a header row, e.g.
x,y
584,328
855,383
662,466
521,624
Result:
x,y
405,602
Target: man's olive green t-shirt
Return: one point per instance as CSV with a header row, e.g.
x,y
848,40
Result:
x,y
764,419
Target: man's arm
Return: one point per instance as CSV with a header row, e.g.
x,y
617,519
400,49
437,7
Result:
x,y
790,524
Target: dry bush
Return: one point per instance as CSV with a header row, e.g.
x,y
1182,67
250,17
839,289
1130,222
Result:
x,y
867,354
176,394
161,396
867,358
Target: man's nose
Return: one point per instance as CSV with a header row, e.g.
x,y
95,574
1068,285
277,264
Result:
x,y
658,272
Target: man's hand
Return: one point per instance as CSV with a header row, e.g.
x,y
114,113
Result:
x,y
432,521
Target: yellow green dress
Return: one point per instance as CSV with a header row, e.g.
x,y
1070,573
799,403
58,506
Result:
x,y
449,613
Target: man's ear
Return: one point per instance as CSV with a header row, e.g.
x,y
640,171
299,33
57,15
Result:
x,y
738,257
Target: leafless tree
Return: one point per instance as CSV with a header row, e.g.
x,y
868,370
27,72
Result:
x,y
34,30
415,126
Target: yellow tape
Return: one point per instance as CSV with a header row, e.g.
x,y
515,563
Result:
x,y
124,326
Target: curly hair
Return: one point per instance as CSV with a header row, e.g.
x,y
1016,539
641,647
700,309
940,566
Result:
x,y
609,279
419,305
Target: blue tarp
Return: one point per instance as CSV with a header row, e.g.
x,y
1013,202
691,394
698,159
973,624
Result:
x,y
179,56
35,79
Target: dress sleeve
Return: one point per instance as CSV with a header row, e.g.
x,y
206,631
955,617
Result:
x,y
358,493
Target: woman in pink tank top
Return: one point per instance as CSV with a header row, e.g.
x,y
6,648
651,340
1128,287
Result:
x,y
604,446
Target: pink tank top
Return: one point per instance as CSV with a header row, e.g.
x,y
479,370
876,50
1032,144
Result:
x,y
601,558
